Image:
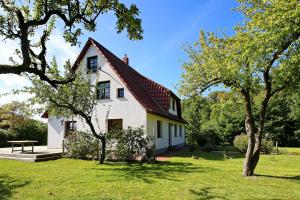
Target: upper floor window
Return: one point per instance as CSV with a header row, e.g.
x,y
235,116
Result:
x,y
158,127
103,91
172,104
180,131
92,64
120,92
175,130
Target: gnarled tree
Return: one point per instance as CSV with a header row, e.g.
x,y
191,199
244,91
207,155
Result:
x,y
24,20
73,99
263,56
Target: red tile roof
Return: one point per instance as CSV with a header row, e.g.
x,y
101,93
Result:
x,y
154,97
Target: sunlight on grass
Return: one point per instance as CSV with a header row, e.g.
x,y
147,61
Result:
x,y
189,175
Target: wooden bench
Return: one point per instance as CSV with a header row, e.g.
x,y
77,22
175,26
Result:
x,y
22,143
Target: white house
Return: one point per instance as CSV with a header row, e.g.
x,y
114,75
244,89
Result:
x,y
125,99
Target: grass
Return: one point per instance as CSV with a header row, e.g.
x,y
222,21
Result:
x,y
189,175
289,150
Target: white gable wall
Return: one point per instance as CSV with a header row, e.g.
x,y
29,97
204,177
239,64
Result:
x,y
128,108
55,132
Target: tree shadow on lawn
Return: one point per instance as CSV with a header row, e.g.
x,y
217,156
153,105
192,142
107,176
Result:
x,y
279,177
206,194
197,154
149,172
8,185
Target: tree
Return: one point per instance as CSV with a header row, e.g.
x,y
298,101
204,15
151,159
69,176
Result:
x,y
76,98
263,56
227,116
23,21
13,113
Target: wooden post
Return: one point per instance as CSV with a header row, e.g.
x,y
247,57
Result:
x,y
63,145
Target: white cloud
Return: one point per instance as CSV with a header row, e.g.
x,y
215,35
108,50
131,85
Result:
x,y
60,49
56,46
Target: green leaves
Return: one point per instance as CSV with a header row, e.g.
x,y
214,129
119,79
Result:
x,y
30,20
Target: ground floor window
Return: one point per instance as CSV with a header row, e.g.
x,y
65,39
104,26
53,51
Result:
x,y
70,126
175,130
180,131
115,124
158,129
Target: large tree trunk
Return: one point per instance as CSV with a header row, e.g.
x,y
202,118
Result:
x,y
259,135
255,140
100,137
250,129
102,154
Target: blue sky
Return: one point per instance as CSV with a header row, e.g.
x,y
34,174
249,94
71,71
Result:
x,y
167,24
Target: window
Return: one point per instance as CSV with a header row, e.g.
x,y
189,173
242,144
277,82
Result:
x,y
103,91
175,130
115,124
120,92
173,104
92,64
180,131
158,129
70,127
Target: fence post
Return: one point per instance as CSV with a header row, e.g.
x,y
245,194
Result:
x,y
63,145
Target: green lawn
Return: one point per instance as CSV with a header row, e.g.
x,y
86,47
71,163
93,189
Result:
x,y
189,175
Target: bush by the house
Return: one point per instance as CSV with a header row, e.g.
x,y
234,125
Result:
x,y
82,145
241,144
128,145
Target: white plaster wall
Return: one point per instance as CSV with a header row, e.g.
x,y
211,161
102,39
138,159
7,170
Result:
x,y
128,108
163,142
55,132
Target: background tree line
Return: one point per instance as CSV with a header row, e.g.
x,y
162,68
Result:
x,y
219,117
16,124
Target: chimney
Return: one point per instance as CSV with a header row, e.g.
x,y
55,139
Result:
x,y
126,59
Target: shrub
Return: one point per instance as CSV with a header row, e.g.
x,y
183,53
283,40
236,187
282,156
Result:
x,y
128,145
201,140
241,144
82,145
32,130
209,146
6,135
267,146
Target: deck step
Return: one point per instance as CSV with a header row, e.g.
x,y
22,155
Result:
x,y
31,157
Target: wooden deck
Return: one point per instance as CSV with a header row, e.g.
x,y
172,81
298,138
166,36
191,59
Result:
x,y
41,153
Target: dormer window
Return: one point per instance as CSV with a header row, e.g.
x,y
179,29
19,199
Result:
x,y
173,104
92,64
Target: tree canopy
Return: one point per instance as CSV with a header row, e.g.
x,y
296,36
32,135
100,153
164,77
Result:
x,y
262,56
31,23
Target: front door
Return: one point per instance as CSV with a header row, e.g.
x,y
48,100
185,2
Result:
x,y
170,134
